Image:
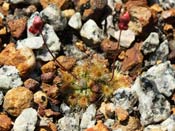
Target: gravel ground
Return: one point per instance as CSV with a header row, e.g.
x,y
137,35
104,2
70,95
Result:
x,y
87,65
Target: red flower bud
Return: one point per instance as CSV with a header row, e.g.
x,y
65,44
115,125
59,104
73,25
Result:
x,y
125,18
36,26
123,26
33,30
123,21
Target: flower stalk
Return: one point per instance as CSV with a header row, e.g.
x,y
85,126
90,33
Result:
x,y
36,28
123,25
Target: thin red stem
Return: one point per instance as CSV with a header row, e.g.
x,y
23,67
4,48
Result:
x,y
115,57
54,58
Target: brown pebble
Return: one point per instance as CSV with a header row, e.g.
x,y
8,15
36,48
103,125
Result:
x,y
47,77
59,3
49,113
51,90
16,100
122,114
48,67
66,61
31,84
5,123
50,127
130,3
57,80
17,26
109,46
133,58
171,56
142,18
1,22
133,124
98,127
23,59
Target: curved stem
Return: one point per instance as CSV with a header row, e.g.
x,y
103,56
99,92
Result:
x,y
54,58
115,57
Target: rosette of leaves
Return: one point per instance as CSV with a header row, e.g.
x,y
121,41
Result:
x,y
92,85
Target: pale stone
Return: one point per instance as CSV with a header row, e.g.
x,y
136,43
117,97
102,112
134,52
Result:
x,y
75,21
26,121
9,77
91,32
151,43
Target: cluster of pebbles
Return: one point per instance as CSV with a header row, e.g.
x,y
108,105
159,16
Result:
x,y
36,94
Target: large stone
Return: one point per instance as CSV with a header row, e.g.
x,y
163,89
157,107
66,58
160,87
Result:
x,y
167,125
23,58
9,78
6,123
16,100
75,21
52,15
91,32
153,106
161,54
151,43
26,120
125,98
142,17
162,75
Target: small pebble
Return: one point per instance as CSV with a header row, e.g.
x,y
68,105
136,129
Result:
x,y
41,98
31,84
47,77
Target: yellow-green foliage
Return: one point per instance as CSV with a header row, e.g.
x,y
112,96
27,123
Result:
x,y
92,84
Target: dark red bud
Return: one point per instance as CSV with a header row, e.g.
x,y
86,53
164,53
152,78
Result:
x,y
37,22
33,30
36,25
125,18
122,26
123,21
